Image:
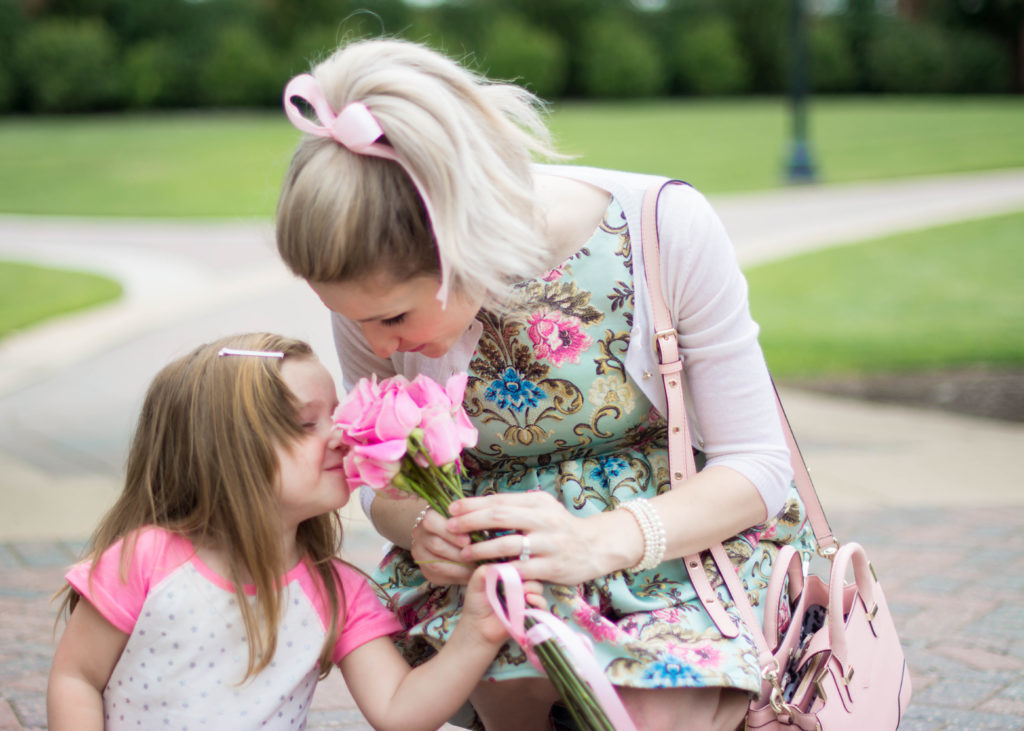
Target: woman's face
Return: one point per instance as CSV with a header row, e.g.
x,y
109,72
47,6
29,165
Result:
x,y
403,316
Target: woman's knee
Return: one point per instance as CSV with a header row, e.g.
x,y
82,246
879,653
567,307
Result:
x,y
522,703
696,709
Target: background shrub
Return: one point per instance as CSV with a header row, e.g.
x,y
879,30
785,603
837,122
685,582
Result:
x,y
12,26
761,27
68,65
832,67
158,74
240,70
708,58
619,60
517,51
905,57
982,64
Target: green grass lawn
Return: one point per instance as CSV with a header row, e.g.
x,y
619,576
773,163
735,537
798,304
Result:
x,y
219,164
141,165
30,294
944,297
729,146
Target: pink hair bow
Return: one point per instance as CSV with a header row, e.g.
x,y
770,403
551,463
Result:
x,y
513,612
356,129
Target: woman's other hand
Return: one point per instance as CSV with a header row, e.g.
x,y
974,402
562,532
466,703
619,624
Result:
x,y
438,551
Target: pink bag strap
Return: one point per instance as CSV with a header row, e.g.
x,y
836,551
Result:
x,y
680,454
680,447
680,451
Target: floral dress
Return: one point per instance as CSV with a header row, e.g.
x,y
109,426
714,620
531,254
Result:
x,y
557,411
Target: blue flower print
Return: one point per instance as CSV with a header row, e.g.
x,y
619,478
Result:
x,y
671,672
512,391
607,468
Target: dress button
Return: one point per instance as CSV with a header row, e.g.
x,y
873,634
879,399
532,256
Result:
x,y
647,374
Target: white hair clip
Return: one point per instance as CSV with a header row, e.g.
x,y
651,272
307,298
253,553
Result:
x,y
254,353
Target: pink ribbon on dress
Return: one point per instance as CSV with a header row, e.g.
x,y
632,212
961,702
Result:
x,y
579,651
356,129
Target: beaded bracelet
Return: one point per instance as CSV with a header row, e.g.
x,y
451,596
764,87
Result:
x,y
419,519
653,529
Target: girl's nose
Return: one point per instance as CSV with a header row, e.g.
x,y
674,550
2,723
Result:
x,y
334,440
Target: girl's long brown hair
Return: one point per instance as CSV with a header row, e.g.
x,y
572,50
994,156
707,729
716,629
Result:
x,y
203,464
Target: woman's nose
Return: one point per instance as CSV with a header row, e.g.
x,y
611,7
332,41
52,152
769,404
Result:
x,y
381,342
334,440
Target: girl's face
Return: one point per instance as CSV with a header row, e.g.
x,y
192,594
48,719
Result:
x,y
401,316
311,480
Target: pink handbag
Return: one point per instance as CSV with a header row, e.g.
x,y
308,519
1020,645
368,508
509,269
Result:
x,y
838,665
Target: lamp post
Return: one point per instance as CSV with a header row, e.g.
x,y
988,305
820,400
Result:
x,y
799,168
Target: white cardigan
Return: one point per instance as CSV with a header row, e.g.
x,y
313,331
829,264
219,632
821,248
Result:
x,y
730,402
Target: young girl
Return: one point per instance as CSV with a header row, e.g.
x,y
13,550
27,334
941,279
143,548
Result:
x,y
212,596
414,211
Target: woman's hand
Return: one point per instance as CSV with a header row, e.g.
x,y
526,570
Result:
x,y
549,544
439,551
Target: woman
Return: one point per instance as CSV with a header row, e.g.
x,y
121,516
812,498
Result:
x,y
415,212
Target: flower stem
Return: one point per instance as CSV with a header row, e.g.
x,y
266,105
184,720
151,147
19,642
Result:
x,y
440,488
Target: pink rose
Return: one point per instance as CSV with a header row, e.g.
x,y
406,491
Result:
x,y
553,274
557,337
441,439
429,396
397,417
704,654
455,389
379,422
467,433
355,415
375,465
599,627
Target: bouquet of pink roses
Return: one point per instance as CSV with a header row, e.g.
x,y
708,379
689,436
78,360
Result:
x,y
407,437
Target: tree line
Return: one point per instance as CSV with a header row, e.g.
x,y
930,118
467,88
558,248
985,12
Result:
x,y
95,55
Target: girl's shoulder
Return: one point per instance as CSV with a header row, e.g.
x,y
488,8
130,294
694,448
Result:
x,y
149,545
119,579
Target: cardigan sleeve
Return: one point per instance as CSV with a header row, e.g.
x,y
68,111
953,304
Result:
x,y
728,384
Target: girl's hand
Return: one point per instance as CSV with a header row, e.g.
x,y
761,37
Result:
x,y
439,551
562,549
477,611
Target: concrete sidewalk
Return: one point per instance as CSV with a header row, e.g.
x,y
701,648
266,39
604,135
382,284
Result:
x,y
935,498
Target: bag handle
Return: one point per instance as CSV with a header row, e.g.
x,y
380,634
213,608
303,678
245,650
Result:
x,y
680,454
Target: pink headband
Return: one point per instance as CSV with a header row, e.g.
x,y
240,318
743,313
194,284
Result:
x,y
356,129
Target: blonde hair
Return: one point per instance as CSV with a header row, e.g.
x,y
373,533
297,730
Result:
x,y
203,464
470,141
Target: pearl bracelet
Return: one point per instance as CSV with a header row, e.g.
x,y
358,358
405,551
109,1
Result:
x,y
653,529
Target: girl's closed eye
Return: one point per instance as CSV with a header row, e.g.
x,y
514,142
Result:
x,y
392,321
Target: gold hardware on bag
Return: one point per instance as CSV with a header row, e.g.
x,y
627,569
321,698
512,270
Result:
x,y
829,551
662,335
819,689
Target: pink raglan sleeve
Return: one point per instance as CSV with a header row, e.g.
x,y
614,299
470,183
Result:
x,y
366,618
154,553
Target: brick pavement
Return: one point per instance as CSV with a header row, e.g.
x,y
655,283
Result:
x,y
954,578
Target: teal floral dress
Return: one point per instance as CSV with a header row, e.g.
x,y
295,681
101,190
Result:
x,y
557,411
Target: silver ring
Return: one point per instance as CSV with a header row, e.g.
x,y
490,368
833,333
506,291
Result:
x,y
524,554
